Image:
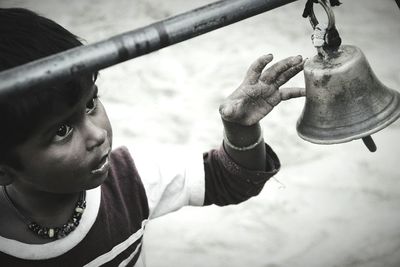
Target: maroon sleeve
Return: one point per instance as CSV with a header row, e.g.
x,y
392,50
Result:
x,y
228,183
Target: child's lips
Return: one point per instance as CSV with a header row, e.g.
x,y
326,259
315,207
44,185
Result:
x,y
102,167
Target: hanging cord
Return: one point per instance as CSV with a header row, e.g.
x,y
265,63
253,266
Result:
x,y
325,38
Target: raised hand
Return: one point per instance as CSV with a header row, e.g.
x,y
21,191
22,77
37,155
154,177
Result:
x,y
259,92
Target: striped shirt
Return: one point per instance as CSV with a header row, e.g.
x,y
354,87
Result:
x,y
111,230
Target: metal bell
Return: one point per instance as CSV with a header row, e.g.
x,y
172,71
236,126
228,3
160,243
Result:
x,y
344,99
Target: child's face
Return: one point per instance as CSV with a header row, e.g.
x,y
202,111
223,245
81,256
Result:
x,y
66,153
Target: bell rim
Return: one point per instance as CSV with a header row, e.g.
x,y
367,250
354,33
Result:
x,y
393,116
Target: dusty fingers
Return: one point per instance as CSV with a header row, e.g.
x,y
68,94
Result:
x,y
289,73
273,73
259,93
254,72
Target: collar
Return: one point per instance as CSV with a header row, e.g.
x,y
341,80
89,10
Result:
x,y
58,247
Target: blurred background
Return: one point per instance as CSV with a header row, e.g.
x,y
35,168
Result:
x,y
335,205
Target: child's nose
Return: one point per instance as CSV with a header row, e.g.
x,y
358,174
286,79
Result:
x,y
95,135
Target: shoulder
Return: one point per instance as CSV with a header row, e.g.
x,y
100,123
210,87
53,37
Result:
x,y
123,168
121,160
123,185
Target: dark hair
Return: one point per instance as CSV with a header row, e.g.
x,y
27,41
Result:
x,y
26,36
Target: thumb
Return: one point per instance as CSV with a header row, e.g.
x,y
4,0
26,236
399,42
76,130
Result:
x,y
292,92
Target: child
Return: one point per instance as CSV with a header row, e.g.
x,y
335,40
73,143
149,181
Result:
x,y
67,199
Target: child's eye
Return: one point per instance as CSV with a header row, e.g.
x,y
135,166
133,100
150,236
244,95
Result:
x,y
63,131
91,105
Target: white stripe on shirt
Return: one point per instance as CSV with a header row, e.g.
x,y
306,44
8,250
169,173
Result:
x,y
118,249
128,260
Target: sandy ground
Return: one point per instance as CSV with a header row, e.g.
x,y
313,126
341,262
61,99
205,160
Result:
x,y
329,206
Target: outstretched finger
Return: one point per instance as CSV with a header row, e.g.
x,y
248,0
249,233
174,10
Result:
x,y
292,92
273,72
288,74
254,72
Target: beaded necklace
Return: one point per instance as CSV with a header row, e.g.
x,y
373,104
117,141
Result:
x,y
53,232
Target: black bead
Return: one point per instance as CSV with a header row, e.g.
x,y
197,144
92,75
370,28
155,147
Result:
x,y
31,226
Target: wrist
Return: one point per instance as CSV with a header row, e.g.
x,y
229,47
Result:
x,y
228,143
240,137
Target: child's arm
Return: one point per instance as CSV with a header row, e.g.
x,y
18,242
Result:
x,y
257,95
226,175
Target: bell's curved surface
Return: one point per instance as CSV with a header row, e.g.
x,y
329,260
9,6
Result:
x,y
344,99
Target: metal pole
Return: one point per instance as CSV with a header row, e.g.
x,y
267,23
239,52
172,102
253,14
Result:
x,y
90,58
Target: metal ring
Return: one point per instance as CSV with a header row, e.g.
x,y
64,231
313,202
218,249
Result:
x,y
328,9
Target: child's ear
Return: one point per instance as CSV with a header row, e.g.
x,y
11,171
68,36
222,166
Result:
x,y
6,175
